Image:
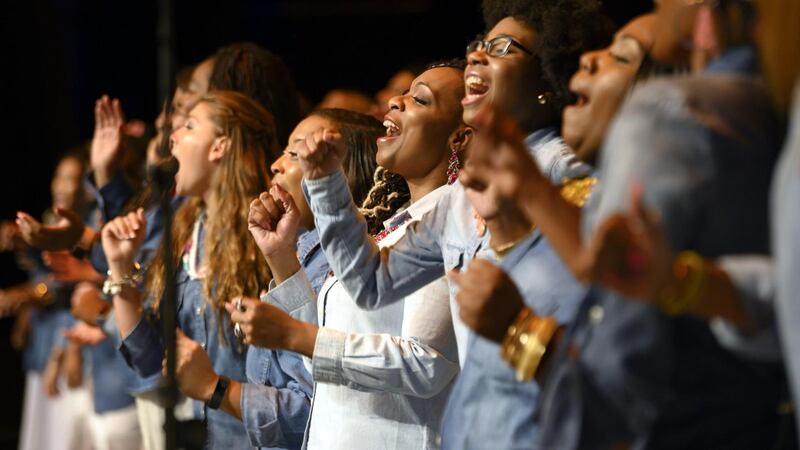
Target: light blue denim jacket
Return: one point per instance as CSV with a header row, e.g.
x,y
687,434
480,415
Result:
x,y
704,148
488,398
143,350
444,239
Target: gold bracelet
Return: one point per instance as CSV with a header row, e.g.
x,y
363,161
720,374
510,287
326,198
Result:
x,y
511,350
534,346
688,271
526,342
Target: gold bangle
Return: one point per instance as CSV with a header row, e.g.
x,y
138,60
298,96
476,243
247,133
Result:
x,y
577,191
511,350
688,271
534,346
526,342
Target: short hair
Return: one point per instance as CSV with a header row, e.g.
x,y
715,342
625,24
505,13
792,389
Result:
x,y
565,29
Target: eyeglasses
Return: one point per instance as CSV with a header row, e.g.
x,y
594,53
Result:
x,y
496,47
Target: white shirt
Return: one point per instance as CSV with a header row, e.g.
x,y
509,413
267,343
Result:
x,y
382,377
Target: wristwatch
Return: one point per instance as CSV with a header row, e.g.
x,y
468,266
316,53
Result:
x,y
219,393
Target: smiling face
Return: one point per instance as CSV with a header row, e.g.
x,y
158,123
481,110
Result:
x,y
419,124
286,171
601,83
511,82
196,146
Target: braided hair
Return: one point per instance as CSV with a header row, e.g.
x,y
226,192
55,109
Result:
x,y
389,192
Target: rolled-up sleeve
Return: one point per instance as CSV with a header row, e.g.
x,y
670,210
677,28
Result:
x,y
420,362
373,277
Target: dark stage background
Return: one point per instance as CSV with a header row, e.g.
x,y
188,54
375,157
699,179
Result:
x,y
59,56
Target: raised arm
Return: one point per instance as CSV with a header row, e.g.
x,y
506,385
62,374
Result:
x,y
373,277
141,345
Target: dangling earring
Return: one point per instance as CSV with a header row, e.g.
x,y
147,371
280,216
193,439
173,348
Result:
x,y
453,166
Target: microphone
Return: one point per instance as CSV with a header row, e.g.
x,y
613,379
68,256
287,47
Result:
x,y
162,175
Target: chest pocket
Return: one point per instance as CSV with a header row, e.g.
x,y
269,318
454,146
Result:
x,y
191,307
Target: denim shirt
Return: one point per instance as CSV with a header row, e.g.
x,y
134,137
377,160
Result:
x,y
112,196
488,407
143,350
381,377
275,401
112,379
626,373
786,248
444,239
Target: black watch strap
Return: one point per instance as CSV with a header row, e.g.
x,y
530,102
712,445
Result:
x,y
219,393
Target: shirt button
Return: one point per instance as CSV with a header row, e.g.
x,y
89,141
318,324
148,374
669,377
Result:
x,y
203,345
596,313
199,311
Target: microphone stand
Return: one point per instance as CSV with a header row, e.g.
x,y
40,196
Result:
x,y
162,181
189,434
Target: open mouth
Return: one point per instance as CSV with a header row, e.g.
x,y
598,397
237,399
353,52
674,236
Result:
x,y
476,88
392,130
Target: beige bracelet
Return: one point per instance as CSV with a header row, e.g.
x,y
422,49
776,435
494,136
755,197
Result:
x,y
132,280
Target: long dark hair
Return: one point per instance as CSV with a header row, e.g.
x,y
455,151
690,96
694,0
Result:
x,y
261,75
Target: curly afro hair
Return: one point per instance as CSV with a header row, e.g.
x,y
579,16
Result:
x,y
565,29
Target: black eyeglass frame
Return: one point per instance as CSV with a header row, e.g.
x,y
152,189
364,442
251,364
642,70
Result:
x,y
487,46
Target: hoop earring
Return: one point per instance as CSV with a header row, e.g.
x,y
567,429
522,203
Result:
x,y
453,166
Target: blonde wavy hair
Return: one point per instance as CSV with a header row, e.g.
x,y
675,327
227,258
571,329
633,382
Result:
x,y
233,262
